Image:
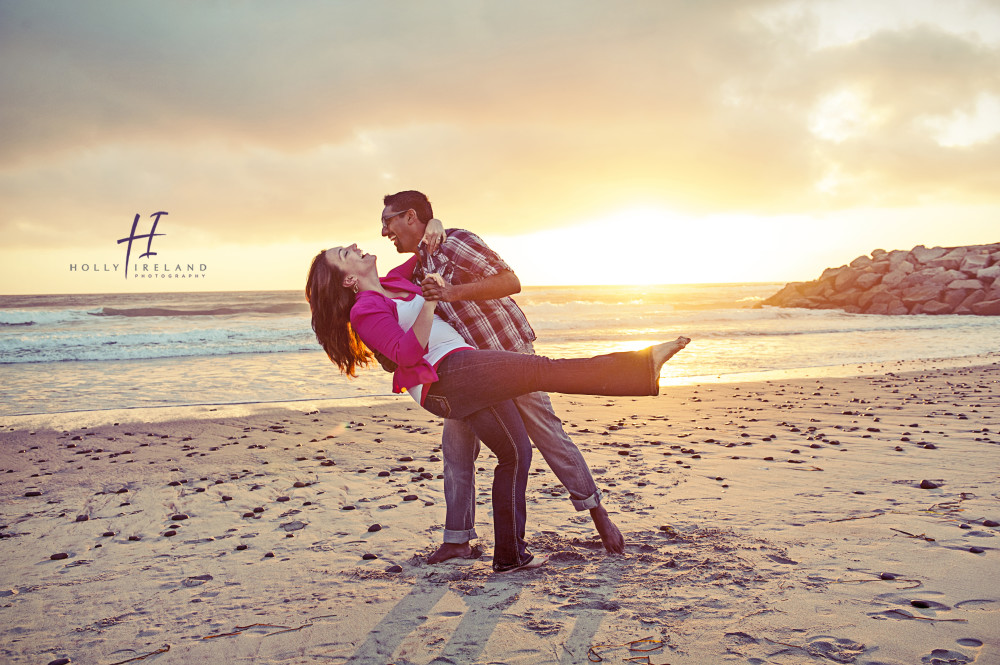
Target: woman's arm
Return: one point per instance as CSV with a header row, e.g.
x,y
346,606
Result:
x,y
373,317
425,319
434,235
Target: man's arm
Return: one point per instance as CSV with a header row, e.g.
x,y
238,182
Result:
x,y
500,285
465,253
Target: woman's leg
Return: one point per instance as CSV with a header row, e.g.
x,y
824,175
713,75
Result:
x,y
499,426
469,380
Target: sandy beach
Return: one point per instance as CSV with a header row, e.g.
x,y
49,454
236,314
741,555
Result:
x,y
844,520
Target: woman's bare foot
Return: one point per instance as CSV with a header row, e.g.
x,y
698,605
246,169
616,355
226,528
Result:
x,y
612,538
451,551
664,352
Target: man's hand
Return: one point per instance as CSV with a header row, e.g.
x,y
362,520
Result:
x,y
433,235
434,288
500,285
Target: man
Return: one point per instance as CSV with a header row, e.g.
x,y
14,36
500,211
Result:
x,y
475,299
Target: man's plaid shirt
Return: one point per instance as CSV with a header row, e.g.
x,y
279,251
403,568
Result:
x,y
486,324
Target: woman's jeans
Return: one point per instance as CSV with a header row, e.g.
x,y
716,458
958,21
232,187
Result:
x,y
472,379
499,426
477,386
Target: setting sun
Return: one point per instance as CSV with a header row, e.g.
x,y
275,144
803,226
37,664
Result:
x,y
635,246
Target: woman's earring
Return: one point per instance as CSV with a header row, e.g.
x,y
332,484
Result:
x,y
355,288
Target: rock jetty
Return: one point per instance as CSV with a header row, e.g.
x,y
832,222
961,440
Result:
x,y
937,280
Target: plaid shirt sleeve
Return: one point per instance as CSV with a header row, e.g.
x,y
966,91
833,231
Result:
x,y
470,259
464,258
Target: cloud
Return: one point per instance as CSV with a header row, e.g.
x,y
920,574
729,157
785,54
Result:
x,y
248,120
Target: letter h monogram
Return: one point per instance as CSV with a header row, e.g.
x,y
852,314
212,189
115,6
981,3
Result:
x,y
149,244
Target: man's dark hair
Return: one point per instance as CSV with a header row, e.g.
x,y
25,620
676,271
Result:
x,y
401,201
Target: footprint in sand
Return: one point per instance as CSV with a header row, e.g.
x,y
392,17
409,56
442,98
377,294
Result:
x,y
978,604
913,606
950,656
837,649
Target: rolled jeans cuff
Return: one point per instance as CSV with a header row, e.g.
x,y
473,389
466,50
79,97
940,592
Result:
x,y
464,536
592,501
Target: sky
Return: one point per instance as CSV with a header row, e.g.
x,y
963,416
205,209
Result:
x,y
635,142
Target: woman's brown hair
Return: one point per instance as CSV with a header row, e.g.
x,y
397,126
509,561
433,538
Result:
x,y
330,302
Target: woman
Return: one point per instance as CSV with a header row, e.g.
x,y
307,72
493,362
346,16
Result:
x,y
353,310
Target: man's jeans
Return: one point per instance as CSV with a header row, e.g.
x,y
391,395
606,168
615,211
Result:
x,y
460,448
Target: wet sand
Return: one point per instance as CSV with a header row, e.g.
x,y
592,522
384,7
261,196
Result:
x,y
845,520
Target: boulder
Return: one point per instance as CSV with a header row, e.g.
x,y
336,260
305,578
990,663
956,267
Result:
x,y
974,284
991,273
906,266
923,276
897,309
954,297
846,279
947,276
867,280
865,300
811,289
937,307
920,293
987,308
894,279
831,274
950,261
885,298
886,303
880,267
972,299
897,256
868,297
974,262
860,262
922,255
845,298
789,292
878,308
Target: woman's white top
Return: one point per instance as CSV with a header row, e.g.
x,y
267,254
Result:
x,y
443,338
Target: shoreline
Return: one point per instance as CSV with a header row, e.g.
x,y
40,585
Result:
x,y
778,522
202,410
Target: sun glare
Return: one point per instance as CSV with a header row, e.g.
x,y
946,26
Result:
x,y
642,246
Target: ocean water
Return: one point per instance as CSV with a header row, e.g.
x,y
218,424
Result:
x,y
71,353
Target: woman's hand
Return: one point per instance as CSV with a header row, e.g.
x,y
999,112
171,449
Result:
x,y
433,235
